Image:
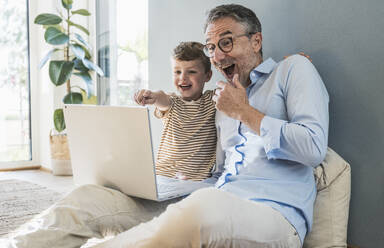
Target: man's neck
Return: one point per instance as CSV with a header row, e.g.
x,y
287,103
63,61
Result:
x,y
258,62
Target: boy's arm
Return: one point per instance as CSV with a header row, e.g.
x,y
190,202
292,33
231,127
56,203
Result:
x,y
158,98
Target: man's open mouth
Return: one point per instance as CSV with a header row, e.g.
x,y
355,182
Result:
x,y
229,70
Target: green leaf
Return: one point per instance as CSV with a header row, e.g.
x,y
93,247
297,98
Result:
x,y
54,36
58,120
88,81
67,3
57,26
79,65
83,41
48,19
93,67
47,57
83,12
60,71
78,26
87,53
78,51
73,98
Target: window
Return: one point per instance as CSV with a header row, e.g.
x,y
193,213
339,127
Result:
x,y
122,47
15,125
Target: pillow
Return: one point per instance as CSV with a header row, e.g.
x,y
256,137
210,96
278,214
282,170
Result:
x,y
330,216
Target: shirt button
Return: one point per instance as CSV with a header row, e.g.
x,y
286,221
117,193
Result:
x,y
253,75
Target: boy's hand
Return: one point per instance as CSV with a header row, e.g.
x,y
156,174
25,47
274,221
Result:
x,y
145,97
180,176
158,98
302,54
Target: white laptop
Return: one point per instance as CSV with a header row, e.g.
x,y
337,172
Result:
x,y
112,146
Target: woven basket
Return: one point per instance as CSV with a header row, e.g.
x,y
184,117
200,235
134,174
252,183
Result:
x,y
60,157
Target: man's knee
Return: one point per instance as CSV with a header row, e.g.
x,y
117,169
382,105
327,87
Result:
x,y
91,193
89,190
200,208
203,195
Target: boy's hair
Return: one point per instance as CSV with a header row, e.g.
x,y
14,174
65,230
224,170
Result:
x,y
191,50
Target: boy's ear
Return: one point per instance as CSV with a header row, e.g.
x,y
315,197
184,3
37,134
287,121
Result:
x,y
209,76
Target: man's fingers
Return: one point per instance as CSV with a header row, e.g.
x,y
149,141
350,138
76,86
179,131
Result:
x,y
236,81
220,84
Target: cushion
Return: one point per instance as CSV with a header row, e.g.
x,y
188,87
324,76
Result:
x,y
330,216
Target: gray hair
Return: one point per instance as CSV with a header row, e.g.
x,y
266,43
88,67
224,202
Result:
x,y
239,13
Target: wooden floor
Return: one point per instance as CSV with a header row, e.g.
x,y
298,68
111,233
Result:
x,y
62,184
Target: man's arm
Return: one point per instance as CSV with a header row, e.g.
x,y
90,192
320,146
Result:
x,y
303,137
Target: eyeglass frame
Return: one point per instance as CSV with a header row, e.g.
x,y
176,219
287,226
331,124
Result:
x,y
210,55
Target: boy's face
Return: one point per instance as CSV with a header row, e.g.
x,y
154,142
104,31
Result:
x,y
189,78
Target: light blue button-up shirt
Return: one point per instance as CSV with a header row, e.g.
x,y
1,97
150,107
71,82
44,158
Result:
x,y
276,167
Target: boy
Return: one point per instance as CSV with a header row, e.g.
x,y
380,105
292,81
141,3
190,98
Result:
x,y
188,144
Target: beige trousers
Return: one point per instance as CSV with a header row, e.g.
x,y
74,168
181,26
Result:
x,y
207,218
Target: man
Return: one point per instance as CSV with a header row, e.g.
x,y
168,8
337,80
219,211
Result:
x,y
272,124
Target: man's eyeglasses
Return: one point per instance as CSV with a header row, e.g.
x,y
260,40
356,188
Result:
x,y
225,44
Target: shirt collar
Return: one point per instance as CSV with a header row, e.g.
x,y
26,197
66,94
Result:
x,y
265,67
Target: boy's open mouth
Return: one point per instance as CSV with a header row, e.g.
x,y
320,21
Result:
x,y
185,87
229,71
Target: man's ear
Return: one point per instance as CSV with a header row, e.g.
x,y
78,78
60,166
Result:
x,y
208,76
257,40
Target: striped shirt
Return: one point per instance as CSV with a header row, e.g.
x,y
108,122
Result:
x,y
188,141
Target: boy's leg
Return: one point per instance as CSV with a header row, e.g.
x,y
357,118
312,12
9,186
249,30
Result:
x,y
211,218
88,211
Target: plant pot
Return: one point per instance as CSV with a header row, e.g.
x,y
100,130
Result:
x,y
60,157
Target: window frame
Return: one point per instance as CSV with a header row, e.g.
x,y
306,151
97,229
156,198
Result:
x,y
32,93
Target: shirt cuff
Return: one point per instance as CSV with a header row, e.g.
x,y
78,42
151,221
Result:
x,y
160,114
270,132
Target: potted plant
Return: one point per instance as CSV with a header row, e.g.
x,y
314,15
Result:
x,y
75,57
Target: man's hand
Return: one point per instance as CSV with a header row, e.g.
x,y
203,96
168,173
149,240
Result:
x,y
231,99
159,98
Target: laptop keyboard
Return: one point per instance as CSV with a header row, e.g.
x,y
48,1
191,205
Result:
x,y
163,187
170,185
